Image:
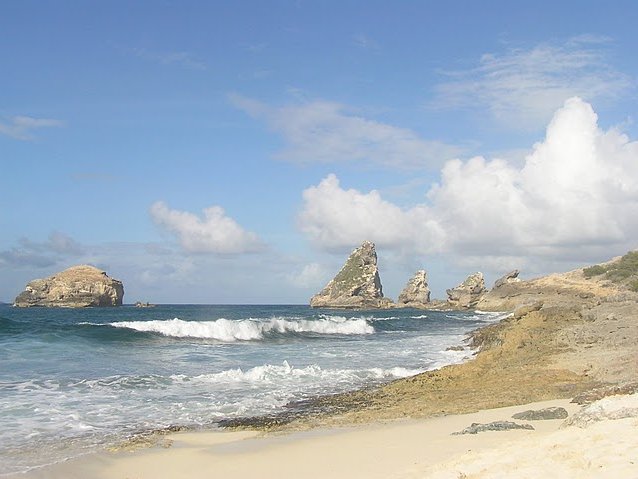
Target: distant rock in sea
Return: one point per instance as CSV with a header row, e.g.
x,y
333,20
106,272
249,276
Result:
x,y
76,287
468,293
357,285
417,292
140,304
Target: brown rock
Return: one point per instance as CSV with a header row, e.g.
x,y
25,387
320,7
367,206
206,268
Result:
x,y
357,285
416,293
76,287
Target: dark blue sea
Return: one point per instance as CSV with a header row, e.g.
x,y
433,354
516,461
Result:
x,y
74,381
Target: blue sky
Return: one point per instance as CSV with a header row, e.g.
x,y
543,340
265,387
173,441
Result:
x,y
236,152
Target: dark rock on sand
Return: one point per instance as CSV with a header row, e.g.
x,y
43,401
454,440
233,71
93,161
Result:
x,y
493,426
542,414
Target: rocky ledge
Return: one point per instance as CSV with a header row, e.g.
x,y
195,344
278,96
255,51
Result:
x,y
76,287
357,285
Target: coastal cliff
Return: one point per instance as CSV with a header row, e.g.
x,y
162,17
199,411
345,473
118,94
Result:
x,y
75,287
356,285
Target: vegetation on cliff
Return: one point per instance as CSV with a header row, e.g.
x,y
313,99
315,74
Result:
x,y
624,271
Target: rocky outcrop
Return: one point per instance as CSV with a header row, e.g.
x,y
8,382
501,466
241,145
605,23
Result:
x,y
468,293
416,293
546,414
511,277
357,285
475,428
76,287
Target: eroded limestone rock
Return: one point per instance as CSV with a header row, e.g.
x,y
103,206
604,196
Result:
x,y
511,277
468,293
76,287
416,293
357,285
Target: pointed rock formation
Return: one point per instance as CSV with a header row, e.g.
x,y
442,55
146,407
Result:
x,y
76,287
416,293
468,293
357,285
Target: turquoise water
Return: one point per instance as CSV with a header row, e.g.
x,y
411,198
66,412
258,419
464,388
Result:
x,y
73,381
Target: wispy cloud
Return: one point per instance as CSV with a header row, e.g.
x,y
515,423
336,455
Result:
x,y
364,41
327,132
59,246
22,127
177,58
523,87
214,233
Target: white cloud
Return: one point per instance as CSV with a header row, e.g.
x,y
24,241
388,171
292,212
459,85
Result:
x,y
337,219
327,132
576,196
522,88
21,127
312,275
214,233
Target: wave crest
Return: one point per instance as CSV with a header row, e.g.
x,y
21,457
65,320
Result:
x,y
247,329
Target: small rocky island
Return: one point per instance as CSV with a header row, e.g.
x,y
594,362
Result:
x,y
76,287
357,285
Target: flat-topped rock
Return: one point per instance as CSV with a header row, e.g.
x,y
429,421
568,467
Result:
x,y
356,285
76,287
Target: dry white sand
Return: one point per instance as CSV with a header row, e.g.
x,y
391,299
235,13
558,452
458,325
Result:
x,y
598,447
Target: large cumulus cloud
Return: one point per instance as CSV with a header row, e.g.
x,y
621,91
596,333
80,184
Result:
x,y
576,194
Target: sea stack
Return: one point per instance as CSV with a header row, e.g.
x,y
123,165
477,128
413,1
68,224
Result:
x,y
416,293
76,287
357,285
467,294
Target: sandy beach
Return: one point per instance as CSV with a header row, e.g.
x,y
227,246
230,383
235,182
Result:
x,y
597,445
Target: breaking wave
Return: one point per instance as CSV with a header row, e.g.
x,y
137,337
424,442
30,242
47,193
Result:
x,y
247,329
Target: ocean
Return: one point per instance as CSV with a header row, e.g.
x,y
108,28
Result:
x,y
74,381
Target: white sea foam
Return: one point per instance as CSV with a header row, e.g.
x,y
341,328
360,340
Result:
x,y
286,374
247,329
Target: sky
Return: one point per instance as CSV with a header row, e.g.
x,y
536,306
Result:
x,y
237,152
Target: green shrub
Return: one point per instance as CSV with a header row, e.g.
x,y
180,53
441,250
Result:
x,y
622,270
594,271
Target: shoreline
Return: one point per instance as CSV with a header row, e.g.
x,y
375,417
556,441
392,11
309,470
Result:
x,y
351,450
406,449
